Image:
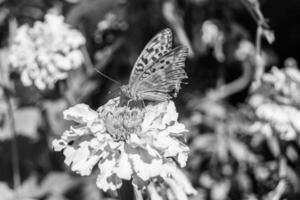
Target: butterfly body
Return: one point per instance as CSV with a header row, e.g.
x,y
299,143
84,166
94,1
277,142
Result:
x,y
159,70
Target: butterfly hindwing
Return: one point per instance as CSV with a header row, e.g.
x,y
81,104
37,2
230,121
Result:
x,y
158,46
162,80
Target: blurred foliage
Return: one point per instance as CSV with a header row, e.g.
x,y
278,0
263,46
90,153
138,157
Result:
x,y
242,114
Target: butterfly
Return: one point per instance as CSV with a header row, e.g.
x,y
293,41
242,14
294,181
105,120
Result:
x,y
158,71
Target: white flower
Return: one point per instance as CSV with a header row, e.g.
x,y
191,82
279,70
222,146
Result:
x,y
276,103
245,50
210,33
269,35
127,143
45,52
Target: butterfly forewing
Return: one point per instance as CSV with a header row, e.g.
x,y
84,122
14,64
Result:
x,y
158,46
164,77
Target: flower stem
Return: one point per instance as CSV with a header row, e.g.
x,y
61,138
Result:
x,y
8,91
14,143
258,65
126,192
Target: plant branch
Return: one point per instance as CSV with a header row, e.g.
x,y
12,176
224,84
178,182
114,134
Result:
x,y
259,67
234,86
14,143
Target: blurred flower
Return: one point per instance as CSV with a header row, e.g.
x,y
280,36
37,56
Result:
x,y
245,50
127,143
210,33
291,63
109,28
283,85
276,103
269,35
213,37
46,52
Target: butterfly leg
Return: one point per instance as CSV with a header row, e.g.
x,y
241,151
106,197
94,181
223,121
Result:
x,y
128,102
144,106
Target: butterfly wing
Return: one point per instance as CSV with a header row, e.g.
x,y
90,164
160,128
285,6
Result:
x,y
162,80
158,46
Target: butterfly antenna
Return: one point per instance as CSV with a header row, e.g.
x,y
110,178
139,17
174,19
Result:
x,y
113,91
144,104
102,74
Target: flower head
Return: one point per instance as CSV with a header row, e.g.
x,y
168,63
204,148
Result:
x,y
276,104
245,50
211,33
126,143
46,52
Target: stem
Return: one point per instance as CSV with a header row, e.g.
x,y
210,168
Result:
x,y
235,86
259,67
126,192
8,90
254,10
14,143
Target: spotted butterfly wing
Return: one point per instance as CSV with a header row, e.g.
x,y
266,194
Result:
x,y
159,45
162,80
159,70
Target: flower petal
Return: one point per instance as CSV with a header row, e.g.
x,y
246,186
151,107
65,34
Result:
x,y
107,179
80,113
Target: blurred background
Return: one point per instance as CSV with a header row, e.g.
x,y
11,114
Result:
x,y
241,101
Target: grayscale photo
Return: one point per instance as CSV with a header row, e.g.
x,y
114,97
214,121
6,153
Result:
x,y
149,100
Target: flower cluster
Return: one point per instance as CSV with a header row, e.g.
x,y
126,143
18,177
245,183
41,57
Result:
x,y
112,24
276,103
213,37
127,143
46,52
211,33
245,50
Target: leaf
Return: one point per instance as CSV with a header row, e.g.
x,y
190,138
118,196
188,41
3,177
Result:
x,y
177,191
58,183
240,151
292,154
30,188
54,115
273,145
27,121
90,190
220,190
54,184
56,197
203,142
6,192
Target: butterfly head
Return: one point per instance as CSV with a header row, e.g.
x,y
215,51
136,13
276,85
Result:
x,y
126,91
